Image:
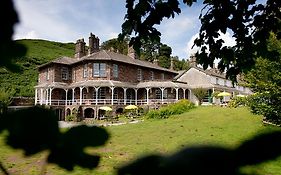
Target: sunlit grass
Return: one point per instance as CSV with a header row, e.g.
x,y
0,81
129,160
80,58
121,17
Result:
x,y
204,125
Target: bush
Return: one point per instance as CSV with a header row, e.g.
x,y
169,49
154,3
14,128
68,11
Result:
x,y
70,118
266,104
238,101
172,109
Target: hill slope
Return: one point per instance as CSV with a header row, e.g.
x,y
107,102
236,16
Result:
x,y
38,53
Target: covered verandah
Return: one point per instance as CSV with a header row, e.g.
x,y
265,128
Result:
x,y
93,92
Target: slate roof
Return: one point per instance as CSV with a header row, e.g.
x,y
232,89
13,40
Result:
x,y
208,72
104,55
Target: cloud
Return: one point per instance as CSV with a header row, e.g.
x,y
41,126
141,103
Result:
x,y
228,39
29,35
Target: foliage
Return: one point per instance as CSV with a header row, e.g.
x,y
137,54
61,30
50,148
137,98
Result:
x,y
164,57
172,109
38,52
36,129
200,93
238,102
70,118
5,99
250,23
265,81
116,45
180,64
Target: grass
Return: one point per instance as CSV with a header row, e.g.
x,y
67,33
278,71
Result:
x,y
204,125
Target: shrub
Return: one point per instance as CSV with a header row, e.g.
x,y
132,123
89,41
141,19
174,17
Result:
x,y
238,101
70,118
172,109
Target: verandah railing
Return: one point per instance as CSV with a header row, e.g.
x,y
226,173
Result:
x,y
55,102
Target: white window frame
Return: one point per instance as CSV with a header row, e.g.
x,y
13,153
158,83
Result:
x,y
102,70
115,71
64,73
99,70
85,71
48,74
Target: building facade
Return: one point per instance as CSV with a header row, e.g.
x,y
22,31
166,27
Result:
x,y
95,78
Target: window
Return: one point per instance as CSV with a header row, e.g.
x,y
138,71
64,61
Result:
x,y
162,76
158,93
115,70
64,73
48,74
139,75
151,75
99,70
217,81
85,71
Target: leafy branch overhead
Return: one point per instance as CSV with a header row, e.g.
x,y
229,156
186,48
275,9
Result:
x,y
249,22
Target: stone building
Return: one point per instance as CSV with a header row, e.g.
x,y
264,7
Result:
x,y
97,78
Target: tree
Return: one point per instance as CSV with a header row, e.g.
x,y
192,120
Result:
x,y
250,23
116,45
265,81
180,64
200,93
164,57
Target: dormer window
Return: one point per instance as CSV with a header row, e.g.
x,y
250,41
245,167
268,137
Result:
x,y
64,73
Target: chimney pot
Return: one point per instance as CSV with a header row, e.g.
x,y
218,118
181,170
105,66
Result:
x,y
80,48
93,44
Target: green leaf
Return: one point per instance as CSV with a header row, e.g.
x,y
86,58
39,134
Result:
x,y
70,150
33,129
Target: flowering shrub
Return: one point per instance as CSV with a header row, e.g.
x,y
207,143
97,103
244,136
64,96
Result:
x,y
172,109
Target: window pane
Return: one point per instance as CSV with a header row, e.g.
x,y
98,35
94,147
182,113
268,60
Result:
x,y
96,71
115,70
102,70
64,73
139,75
85,71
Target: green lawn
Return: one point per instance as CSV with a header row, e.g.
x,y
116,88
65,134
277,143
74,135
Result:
x,y
204,125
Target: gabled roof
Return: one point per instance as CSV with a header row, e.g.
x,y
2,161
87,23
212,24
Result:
x,y
110,56
211,72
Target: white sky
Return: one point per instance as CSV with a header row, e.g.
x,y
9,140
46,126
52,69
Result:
x,y
69,20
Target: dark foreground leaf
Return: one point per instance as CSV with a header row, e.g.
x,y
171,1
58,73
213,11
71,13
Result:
x,y
33,129
70,151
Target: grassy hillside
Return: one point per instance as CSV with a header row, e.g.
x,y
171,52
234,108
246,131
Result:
x,y
38,53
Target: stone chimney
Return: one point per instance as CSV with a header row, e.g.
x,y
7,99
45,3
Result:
x,y
132,53
94,44
80,48
172,64
192,61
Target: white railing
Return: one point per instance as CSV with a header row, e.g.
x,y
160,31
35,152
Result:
x,y
105,102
